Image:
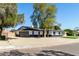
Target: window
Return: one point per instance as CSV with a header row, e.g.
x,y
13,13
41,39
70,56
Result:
x,y
41,32
35,32
30,32
59,33
54,33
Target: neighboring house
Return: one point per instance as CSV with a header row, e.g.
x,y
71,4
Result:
x,y
8,33
65,34
77,33
33,32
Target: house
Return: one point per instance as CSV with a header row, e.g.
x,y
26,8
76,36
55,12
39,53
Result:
x,y
33,32
8,33
29,32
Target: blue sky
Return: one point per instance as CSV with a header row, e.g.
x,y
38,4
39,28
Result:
x,y
67,14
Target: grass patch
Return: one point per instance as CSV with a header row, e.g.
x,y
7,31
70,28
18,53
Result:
x,y
71,37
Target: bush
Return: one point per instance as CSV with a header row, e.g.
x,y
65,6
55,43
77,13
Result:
x,y
69,32
2,38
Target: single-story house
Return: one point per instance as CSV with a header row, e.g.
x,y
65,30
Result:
x,y
33,32
8,33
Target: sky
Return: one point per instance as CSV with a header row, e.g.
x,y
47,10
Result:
x,y
67,14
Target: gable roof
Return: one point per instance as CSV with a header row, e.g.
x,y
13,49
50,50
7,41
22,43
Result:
x,y
30,28
24,27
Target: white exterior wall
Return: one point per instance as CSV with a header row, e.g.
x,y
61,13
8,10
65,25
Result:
x,y
36,32
61,33
30,33
56,32
17,32
41,32
51,32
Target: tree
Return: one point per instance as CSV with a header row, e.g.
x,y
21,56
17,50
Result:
x,y
48,23
57,27
9,16
43,16
69,32
76,29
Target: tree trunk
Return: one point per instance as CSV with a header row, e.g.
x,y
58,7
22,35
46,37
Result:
x,y
1,30
45,32
74,33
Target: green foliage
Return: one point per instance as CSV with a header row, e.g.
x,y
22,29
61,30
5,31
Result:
x,y
9,16
2,37
43,15
71,37
20,18
57,28
69,32
48,23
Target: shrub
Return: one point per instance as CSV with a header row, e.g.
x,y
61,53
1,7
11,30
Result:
x,y
2,38
69,32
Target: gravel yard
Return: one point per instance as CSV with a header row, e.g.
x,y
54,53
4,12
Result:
x,y
35,46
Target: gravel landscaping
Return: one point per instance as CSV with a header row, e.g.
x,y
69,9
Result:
x,y
41,53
